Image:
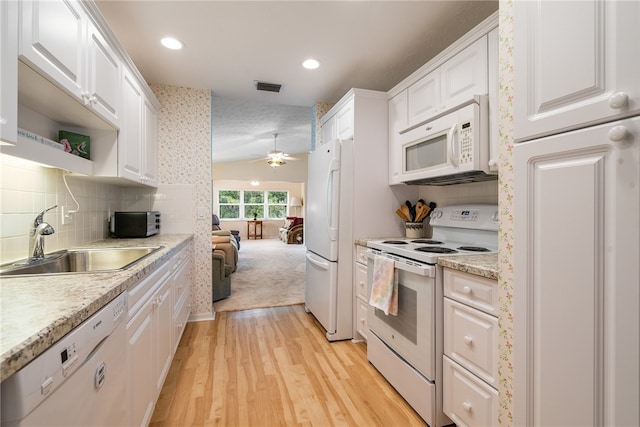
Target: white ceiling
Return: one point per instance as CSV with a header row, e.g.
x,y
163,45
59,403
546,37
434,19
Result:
x,y
231,44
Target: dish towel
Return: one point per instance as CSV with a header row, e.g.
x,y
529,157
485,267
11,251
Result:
x,y
384,290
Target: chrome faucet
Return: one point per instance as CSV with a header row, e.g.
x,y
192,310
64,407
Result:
x,y
36,236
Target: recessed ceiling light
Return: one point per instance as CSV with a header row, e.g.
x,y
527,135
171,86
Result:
x,y
255,183
171,43
310,64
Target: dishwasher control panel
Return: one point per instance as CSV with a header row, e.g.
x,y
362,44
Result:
x,y
27,388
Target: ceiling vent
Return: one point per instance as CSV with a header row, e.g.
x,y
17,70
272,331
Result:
x,y
268,87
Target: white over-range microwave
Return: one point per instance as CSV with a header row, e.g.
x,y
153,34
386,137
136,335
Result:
x,y
453,147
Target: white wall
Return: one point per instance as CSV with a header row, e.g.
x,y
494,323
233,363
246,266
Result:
x,y
293,171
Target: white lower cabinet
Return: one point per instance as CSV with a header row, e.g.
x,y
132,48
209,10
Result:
x,y
470,361
181,295
361,294
152,331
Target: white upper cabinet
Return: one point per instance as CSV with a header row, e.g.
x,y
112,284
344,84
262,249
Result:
x,y
137,142
577,64
8,72
424,97
150,141
344,122
454,82
338,125
397,122
130,138
465,75
103,76
60,41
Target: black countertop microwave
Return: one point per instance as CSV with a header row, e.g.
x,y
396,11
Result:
x,y
135,224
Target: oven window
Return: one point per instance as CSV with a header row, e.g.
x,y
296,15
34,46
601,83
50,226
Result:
x,y
425,154
407,319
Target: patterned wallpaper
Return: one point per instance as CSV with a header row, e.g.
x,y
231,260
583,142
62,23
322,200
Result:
x,y
505,200
184,157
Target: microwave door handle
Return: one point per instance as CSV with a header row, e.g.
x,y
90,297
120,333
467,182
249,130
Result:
x,y
453,145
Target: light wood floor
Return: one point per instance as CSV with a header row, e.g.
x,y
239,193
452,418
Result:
x,y
274,367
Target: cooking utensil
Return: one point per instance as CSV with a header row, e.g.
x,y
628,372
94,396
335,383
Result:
x,y
402,215
420,214
412,210
405,210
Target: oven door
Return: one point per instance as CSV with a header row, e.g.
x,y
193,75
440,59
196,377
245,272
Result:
x,y
411,334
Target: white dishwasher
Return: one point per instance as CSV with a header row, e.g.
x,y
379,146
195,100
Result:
x,y
79,381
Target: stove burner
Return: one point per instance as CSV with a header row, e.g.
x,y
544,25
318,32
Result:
x,y
436,249
427,241
473,249
395,242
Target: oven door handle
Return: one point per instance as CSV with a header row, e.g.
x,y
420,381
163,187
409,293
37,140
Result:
x,y
409,266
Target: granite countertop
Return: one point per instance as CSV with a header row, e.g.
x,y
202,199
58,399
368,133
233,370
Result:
x,y
37,311
485,265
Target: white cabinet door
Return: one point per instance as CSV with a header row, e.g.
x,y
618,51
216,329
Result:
x,y
328,130
8,72
130,137
424,98
163,331
53,40
140,354
465,75
150,141
344,121
577,63
103,76
454,82
577,277
397,122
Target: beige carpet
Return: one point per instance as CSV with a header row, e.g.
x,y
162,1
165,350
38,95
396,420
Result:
x,y
270,274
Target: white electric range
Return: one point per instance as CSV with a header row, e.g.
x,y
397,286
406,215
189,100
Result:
x,y
407,349
457,230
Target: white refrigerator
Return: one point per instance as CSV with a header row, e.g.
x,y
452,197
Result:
x,y
348,197
322,293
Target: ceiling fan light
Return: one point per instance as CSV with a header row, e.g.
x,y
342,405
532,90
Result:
x,y
274,163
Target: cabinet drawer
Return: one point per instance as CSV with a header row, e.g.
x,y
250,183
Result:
x,y
361,254
467,400
361,317
476,291
141,292
471,339
361,281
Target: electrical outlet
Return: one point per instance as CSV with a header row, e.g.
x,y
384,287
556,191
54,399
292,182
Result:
x,y
67,217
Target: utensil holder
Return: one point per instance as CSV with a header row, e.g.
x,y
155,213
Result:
x,y
414,230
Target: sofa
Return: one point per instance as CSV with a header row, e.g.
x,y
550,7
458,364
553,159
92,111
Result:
x,y
221,277
292,230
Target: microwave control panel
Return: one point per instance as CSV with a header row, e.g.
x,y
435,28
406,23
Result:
x,y
465,133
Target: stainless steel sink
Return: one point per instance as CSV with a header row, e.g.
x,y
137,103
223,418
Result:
x,y
80,261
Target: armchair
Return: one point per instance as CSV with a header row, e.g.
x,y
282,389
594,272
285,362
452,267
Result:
x,y
221,277
292,231
225,243
215,226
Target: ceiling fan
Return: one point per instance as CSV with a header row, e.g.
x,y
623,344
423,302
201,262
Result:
x,y
275,157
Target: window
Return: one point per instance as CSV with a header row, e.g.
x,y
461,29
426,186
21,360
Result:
x,y
249,204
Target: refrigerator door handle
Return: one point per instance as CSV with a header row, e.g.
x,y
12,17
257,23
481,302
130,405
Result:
x,y
334,167
322,265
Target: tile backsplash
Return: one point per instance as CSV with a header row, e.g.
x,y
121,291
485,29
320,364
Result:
x,y
471,193
26,189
